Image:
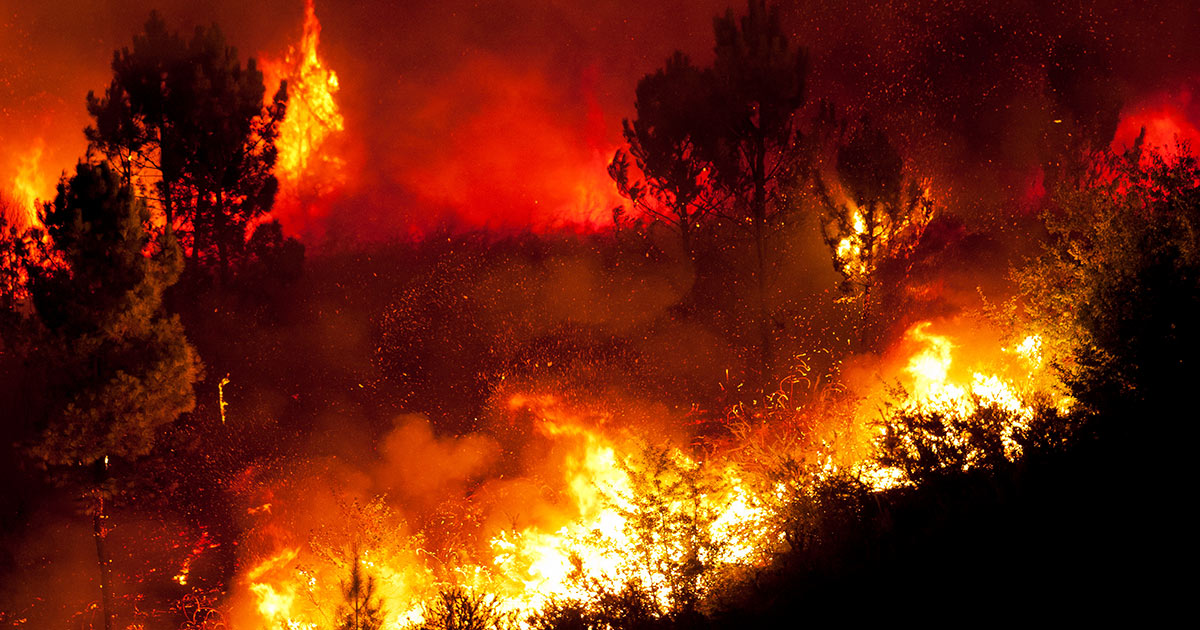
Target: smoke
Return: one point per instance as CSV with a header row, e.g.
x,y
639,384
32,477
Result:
x,y
503,115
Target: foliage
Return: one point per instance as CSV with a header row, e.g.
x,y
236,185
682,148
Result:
x,y
924,442
1119,283
627,608
456,608
188,118
119,368
817,506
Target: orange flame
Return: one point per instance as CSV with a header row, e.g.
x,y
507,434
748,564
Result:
x,y
626,513
614,510
29,186
935,383
307,167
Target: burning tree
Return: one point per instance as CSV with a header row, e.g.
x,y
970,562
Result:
x,y
664,143
879,217
116,367
307,171
185,123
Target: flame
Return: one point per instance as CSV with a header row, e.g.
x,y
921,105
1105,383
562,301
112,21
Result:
x,y
615,510
29,186
642,518
308,169
934,386
849,250
634,514
930,365
862,248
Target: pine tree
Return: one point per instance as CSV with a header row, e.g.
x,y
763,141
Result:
x,y
117,367
670,182
361,608
189,117
759,78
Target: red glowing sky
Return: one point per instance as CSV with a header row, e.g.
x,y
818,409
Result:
x,y
502,115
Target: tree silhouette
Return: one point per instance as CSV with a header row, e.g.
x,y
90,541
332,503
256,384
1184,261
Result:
x,y
671,178
878,217
362,608
185,121
117,367
456,608
759,79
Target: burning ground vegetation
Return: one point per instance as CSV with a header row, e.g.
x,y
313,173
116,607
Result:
x,y
786,343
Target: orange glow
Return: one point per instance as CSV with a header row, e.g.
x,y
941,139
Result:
x,y
505,148
599,507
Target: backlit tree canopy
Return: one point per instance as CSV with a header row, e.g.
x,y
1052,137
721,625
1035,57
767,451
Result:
x,y
184,121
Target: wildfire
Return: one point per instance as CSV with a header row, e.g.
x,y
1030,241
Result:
x,y
29,186
959,404
628,512
932,389
307,168
647,516
636,514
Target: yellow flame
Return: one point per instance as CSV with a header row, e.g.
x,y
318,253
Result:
x,y
930,365
305,167
645,517
625,512
29,186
